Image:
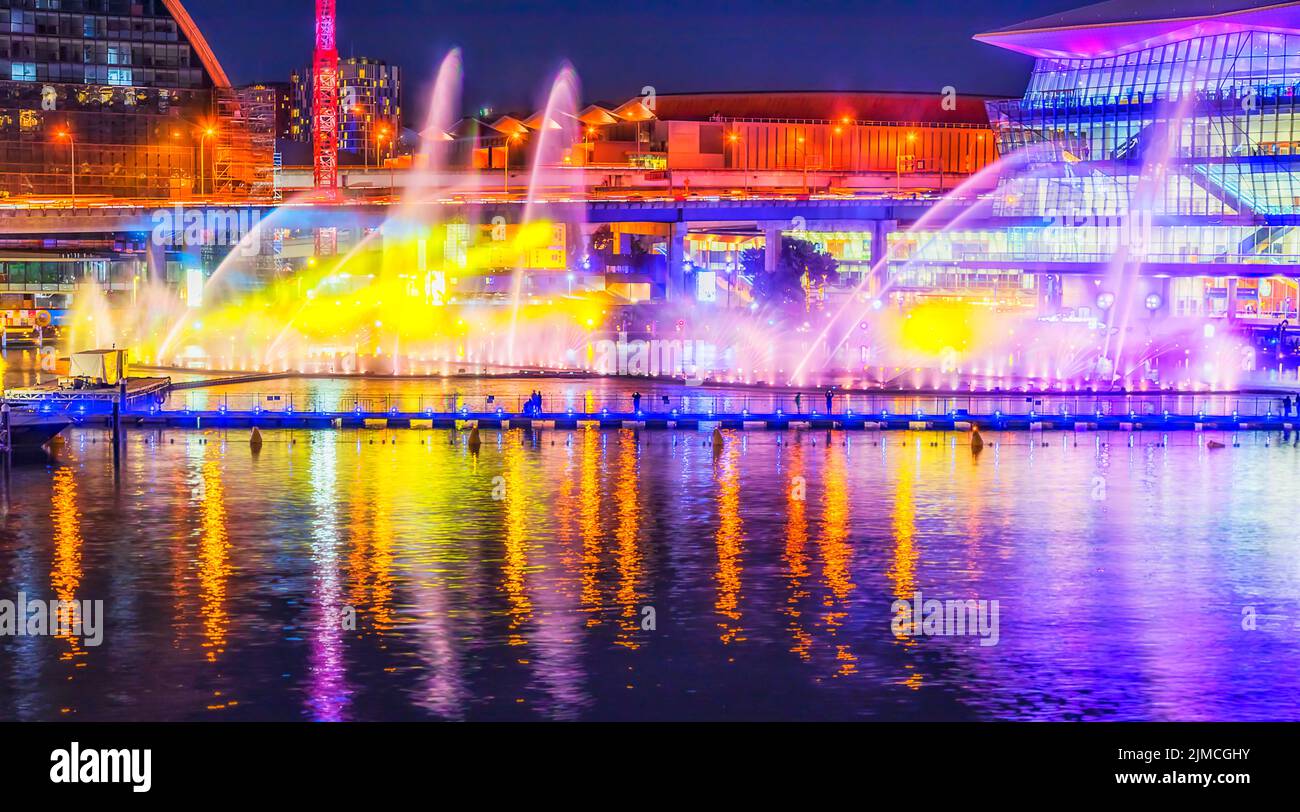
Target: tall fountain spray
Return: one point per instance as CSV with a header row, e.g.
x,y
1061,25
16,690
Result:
x,y
551,175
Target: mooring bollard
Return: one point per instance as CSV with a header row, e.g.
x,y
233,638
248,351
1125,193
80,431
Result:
x,y
117,433
5,426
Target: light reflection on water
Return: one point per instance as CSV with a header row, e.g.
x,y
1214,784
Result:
x,y
394,575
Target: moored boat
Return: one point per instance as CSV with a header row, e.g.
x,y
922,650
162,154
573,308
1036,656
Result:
x,y
35,429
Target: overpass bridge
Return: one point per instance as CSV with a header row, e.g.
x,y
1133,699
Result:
x,y
673,217
36,220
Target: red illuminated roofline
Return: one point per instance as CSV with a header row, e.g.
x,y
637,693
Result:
x,y
197,42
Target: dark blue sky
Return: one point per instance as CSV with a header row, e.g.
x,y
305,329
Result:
x,y
511,47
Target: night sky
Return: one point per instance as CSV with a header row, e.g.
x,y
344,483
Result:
x,y
511,47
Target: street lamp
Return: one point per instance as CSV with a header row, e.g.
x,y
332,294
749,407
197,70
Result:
x,y
505,164
380,138
899,159
207,131
733,138
72,159
845,131
803,151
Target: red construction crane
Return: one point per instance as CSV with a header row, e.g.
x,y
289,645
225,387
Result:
x,y
325,102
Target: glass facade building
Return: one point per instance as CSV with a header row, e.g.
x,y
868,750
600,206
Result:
x,y
123,94
1175,141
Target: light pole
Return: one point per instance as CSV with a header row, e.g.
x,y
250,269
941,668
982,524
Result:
x,y
380,138
208,131
846,149
899,159
734,138
803,151
505,164
363,127
72,160
392,155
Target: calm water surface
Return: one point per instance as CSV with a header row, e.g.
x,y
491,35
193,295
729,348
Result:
x,y
512,584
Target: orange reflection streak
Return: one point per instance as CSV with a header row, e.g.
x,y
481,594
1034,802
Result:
x,y
566,511
795,555
214,567
360,536
627,554
729,543
387,483
902,570
836,553
589,519
515,566
65,573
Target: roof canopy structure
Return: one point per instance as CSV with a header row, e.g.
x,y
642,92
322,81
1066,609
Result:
x,y
886,107
822,105
196,40
1119,26
509,125
594,115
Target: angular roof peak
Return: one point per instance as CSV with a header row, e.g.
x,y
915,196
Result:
x,y
1119,26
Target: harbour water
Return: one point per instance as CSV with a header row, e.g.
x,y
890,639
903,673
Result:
x,y
376,574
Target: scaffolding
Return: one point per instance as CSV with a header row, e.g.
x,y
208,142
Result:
x,y
244,156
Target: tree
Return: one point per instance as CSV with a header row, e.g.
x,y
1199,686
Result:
x,y
634,255
799,265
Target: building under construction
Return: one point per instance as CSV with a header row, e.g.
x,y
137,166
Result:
x,y
123,99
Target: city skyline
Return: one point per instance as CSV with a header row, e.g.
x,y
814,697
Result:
x,y
880,362
508,48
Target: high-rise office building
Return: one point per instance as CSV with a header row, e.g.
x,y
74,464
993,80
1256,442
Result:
x,y
370,108
118,98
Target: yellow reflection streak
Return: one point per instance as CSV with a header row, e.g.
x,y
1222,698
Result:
x,y
65,574
837,553
387,484
795,555
627,554
589,490
359,535
729,542
902,570
214,567
515,567
566,514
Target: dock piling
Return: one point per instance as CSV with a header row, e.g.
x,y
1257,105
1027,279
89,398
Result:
x,y
6,439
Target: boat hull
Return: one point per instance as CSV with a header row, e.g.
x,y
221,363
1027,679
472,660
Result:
x,y
33,431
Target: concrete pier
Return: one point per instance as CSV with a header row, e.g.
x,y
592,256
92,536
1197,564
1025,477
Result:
x,y
656,421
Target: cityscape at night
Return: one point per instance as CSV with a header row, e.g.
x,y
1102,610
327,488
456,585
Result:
x,y
398,362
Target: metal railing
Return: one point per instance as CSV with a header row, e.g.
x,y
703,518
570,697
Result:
x,y
1172,259
738,404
